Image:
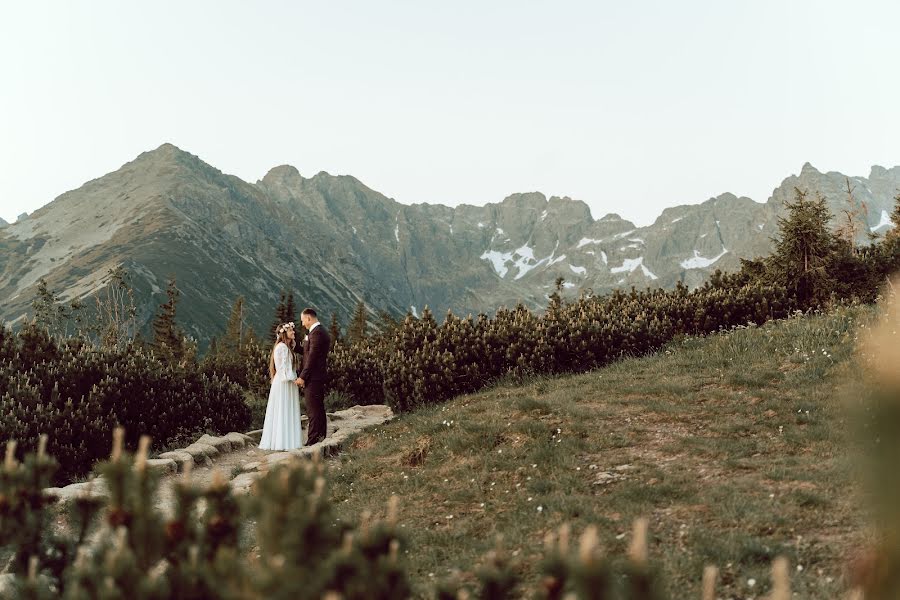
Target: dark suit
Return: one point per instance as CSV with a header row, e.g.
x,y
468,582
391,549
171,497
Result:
x,y
315,375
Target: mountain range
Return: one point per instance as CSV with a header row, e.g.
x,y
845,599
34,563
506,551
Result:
x,y
333,242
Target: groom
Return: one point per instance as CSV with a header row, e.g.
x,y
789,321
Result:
x,y
314,375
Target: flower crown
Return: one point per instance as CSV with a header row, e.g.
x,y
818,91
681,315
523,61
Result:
x,y
282,328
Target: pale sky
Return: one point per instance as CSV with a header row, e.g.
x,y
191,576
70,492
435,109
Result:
x,y
629,106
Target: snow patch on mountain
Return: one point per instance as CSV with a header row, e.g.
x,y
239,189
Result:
x,y
885,222
522,259
699,262
630,265
578,270
624,234
526,261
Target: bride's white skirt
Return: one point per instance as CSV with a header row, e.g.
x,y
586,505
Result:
x,y
281,430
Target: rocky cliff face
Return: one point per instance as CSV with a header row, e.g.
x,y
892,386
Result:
x,y
333,241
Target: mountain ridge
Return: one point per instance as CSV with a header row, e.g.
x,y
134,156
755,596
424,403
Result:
x,y
335,241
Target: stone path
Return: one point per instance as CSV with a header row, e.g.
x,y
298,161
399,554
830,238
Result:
x,y
236,456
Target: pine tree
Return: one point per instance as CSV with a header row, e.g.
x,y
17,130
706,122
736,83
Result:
x,y
44,306
250,337
387,323
850,225
115,321
894,232
213,351
167,337
335,330
235,330
556,296
290,309
358,328
805,248
280,312
51,313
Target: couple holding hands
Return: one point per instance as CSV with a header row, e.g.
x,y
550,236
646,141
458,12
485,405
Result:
x,y
281,430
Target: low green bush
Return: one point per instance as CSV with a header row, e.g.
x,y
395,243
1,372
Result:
x,y
78,393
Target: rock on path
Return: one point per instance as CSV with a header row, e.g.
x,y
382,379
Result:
x,y
237,457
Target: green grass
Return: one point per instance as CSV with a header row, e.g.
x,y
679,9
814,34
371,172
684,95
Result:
x,y
734,446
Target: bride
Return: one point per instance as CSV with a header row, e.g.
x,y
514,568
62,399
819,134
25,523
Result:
x,y
281,430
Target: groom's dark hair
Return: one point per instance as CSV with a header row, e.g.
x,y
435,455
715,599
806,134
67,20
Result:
x,y
310,312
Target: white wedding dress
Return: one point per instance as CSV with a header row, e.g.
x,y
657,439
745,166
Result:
x,y
281,430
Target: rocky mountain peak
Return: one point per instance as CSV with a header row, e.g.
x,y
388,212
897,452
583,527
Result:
x,y
165,152
282,174
567,209
809,170
877,171
532,200
168,160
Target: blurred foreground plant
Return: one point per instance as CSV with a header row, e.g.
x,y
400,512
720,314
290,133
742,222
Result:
x,y
877,574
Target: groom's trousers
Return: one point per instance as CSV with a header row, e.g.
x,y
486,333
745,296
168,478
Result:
x,y
314,396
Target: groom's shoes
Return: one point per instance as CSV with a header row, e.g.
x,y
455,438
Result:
x,y
312,441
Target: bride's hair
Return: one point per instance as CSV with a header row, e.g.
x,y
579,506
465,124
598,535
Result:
x,y
281,338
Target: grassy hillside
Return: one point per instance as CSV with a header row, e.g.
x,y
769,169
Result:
x,y
735,446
